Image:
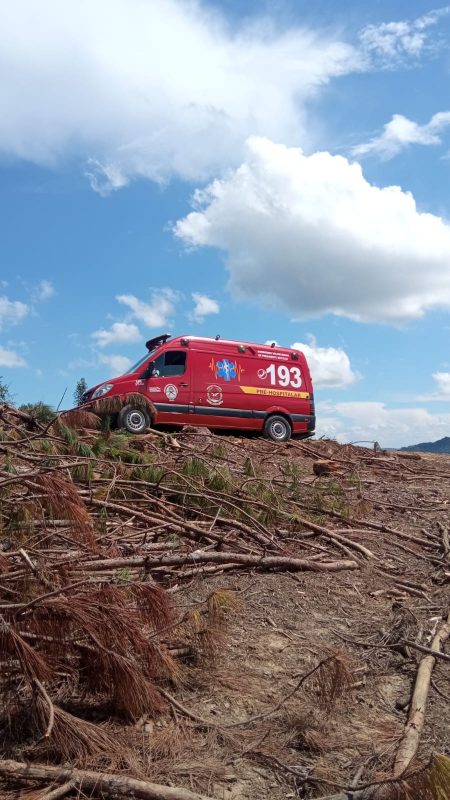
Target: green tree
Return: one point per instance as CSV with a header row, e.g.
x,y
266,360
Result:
x,y
40,411
80,389
5,394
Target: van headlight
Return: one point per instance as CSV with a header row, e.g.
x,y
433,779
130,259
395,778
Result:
x,y
102,390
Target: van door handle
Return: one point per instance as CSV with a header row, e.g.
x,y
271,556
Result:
x,y
184,384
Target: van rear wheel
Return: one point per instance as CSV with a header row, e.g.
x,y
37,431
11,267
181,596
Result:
x,y
277,429
134,420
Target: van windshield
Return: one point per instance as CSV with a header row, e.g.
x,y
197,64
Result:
x,y
141,361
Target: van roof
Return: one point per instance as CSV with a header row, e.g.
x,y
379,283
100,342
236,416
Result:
x,y
268,347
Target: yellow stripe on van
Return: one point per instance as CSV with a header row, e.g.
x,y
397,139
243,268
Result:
x,y
274,392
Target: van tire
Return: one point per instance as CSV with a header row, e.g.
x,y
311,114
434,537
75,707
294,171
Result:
x,y
277,428
133,420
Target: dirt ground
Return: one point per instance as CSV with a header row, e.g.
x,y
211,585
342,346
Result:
x,y
311,574
286,623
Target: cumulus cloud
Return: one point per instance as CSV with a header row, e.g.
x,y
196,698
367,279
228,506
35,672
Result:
x,y
392,43
401,132
153,89
373,421
329,366
157,312
123,332
9,358
310,234
169,87
443,384
118,364
204,306
43,291
442,392
11,311
105,178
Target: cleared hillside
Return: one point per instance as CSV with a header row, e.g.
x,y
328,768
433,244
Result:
x,y
204,616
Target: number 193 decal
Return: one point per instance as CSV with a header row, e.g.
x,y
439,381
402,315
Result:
x,y
284,376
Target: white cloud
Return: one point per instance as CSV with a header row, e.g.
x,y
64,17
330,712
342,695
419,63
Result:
x,y
153,89
9,358
170,87
157,312
119,332
105,178
391,43
442,392
442,380
80,363
373,421
204,306
119,364
311,234
443,385
401,132
43,291
11,311
329,366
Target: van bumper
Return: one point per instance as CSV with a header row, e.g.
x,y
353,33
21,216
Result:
x,y
310,420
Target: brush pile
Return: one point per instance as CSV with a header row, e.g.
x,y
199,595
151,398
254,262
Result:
x,y
127,569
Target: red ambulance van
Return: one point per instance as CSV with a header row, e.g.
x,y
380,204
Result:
x,y
193,380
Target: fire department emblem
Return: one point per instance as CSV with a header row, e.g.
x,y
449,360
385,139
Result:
x,y
171,392
214,395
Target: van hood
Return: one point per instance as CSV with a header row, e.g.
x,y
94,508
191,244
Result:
x,y
117,382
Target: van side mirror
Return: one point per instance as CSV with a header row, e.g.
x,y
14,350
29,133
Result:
x,y
148,371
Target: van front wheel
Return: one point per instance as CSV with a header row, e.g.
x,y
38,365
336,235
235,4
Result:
x,y
277,429
134,420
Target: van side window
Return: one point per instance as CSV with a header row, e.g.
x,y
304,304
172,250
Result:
x,y
170,364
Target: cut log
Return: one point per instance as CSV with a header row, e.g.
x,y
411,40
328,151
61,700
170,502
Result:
x,y
323,467
410,456
416,717
102,783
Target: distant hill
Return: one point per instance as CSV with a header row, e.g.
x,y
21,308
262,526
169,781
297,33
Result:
x,y
441,446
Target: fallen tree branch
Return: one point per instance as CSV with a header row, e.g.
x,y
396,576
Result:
x,y
51,709
429,650
445,541
185,525
205,557
104,783
58,791
22,607
416,717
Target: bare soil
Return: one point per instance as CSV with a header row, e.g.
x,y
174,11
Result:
x,y
287,622
371,530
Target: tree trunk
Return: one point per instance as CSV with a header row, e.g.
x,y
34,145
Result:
x,y
102,783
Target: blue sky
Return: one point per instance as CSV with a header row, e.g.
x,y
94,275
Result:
x,y
225,167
